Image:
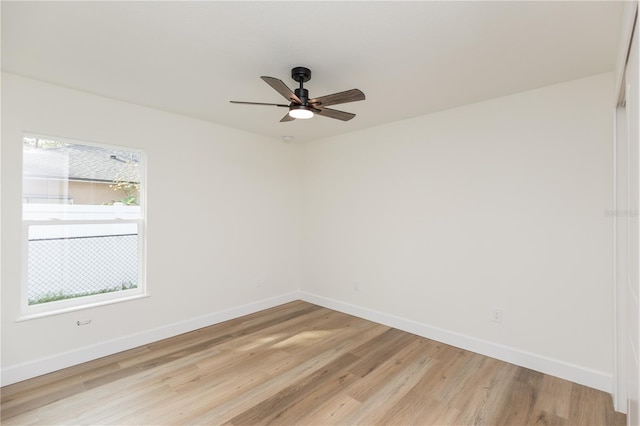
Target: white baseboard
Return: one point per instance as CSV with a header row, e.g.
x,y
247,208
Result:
x,y
574,373
42,366
571,372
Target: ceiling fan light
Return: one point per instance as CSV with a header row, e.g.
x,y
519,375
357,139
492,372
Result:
x,y
301,112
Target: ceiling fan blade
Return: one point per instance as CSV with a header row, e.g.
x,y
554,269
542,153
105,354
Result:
x,y
258,103
280,87
352,95
287,118
334,113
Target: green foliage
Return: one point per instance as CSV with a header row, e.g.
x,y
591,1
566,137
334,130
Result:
x,y
127,182
60,295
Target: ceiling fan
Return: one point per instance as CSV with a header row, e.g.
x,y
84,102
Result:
x,y
301,106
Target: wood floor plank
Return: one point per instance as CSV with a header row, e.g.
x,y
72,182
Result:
x,y
369,412
294,367
552,397
301,364
585,405
271,408
331,411
483,398
364,389
519,405
373,353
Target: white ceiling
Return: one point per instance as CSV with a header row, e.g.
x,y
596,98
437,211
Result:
x,y
409,58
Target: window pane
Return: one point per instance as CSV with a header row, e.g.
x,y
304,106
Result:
x,y
58,174
96,248
70,261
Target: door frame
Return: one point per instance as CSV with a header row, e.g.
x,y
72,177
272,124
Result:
x,y
624,167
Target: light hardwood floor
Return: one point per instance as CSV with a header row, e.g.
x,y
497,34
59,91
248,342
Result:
x,y
302,364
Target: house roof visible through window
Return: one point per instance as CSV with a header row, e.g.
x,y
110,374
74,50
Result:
x,y
43,159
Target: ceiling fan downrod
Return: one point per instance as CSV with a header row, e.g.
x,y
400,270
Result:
x,y
301,75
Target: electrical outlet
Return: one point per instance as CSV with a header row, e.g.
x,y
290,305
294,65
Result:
x,y
356,286
496,315
258,283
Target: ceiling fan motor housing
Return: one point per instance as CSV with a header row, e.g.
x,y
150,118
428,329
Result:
x,y
301,74
303,95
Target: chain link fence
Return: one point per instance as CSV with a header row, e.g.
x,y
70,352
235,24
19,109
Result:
x,y
65,268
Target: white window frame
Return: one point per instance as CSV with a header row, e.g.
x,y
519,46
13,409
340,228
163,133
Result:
x,y
84,302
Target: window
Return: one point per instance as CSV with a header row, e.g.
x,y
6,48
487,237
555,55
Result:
x,y
83,223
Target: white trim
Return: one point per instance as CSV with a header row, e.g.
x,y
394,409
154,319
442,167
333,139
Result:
x,y
621,236
574,373
554,367
27,370
628,18
557,368
84,215
94,301
620,259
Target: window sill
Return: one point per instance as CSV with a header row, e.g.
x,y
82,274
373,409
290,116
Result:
x,y
36,315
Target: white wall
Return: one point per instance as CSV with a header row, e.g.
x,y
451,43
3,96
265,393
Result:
x,y
439,219
223,213
501,204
